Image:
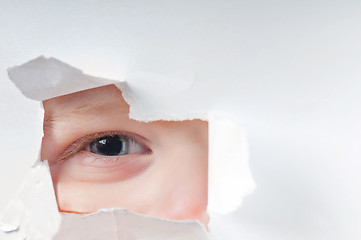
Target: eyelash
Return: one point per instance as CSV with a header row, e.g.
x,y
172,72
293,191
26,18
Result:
x,y
81,144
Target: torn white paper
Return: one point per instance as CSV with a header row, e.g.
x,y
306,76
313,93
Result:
x,y
36,81
34,213
230,178
228,152
44,78
120,224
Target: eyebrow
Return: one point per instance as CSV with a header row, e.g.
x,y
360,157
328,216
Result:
x,y
84,103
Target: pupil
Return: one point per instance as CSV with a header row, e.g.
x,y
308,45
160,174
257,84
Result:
x,y
109,146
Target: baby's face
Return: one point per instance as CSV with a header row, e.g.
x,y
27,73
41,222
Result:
x,y
99,158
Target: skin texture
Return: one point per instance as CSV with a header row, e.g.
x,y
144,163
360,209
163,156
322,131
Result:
x,y
166,179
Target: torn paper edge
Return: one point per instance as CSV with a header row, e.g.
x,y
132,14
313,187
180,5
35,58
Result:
x,y
229,169
44,78
34,203
230,178
132,226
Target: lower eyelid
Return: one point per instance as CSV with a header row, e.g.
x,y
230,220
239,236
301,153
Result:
x,y
92,167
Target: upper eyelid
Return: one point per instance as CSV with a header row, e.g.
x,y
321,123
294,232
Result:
x,y
82,142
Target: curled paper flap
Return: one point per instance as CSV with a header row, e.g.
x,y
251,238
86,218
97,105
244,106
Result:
x,y
230,178
34,213
44,78
146,110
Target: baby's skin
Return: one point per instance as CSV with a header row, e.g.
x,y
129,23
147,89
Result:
x,y
99,158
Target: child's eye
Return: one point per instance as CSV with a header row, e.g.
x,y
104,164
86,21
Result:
x,y
104,157
115,145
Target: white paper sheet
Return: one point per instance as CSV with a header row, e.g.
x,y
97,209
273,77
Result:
x,y
289,73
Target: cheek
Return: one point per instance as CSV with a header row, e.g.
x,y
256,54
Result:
x,y
174,186
184,181
83,184
88,168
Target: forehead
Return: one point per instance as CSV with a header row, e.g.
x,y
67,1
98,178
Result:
x,y
106,98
